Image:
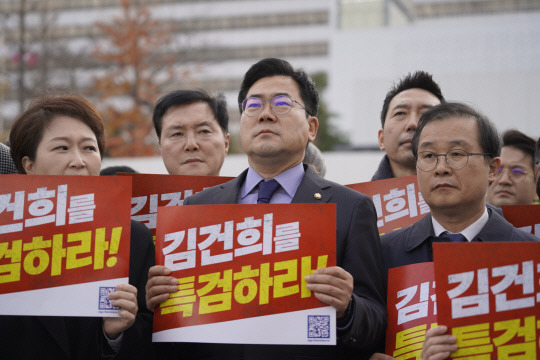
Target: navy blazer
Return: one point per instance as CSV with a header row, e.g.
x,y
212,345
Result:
x,y
358,252
413,244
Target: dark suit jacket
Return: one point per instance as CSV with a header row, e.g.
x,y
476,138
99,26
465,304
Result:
x,y
358,252
384,171
413,244
55,337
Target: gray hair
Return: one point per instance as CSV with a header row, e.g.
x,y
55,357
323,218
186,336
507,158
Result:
x,y
315,159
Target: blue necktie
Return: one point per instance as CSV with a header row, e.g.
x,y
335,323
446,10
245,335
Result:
x,y
455,237
266,190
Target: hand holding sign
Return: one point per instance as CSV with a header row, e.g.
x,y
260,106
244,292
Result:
x,y
438,344
246,266
125,297
159,286
333,286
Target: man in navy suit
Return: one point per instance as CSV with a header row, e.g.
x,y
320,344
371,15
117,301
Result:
x,y
279,107
457,155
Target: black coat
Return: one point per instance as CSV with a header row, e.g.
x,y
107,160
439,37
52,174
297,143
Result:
x,y
384,171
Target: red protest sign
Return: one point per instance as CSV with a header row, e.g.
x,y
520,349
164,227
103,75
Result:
x,y
526,217
487,294
61,231
236,262
398,201
411,309
149,191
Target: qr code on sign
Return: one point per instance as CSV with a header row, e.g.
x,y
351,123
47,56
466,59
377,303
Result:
x,y
318,327
104,301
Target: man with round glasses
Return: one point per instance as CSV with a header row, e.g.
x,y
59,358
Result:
x,y
279,107
457,155
515,181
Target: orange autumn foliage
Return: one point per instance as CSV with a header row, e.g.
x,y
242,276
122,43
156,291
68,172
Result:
x,y
133,53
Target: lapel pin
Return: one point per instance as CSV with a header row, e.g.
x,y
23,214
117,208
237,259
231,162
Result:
x,y
317,196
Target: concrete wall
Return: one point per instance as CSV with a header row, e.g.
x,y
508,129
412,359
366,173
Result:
x,y
491,62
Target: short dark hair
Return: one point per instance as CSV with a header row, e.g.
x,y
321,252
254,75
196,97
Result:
x,y
27,130
520,141
488,137
417,80
538,151
218,104
113,170
276,67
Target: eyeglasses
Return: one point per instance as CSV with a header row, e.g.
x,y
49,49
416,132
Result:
x,y
455,158
515,175
280,105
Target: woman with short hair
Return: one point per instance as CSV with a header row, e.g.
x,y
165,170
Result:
x,y
64,135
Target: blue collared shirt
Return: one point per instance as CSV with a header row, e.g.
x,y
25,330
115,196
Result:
x,y
289,180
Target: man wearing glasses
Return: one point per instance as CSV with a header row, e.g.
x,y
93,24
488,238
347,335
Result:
x,y
457,156
515,181
279,107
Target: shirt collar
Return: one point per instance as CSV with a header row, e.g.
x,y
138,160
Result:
x,y
289,180
469,232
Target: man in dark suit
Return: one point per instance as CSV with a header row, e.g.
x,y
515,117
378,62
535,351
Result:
x,y
457,155
279,107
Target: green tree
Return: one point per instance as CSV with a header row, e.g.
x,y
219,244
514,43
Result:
x,y
328,136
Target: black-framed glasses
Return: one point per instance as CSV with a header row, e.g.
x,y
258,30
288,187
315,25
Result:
x,y
455,158
515,175
280,105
